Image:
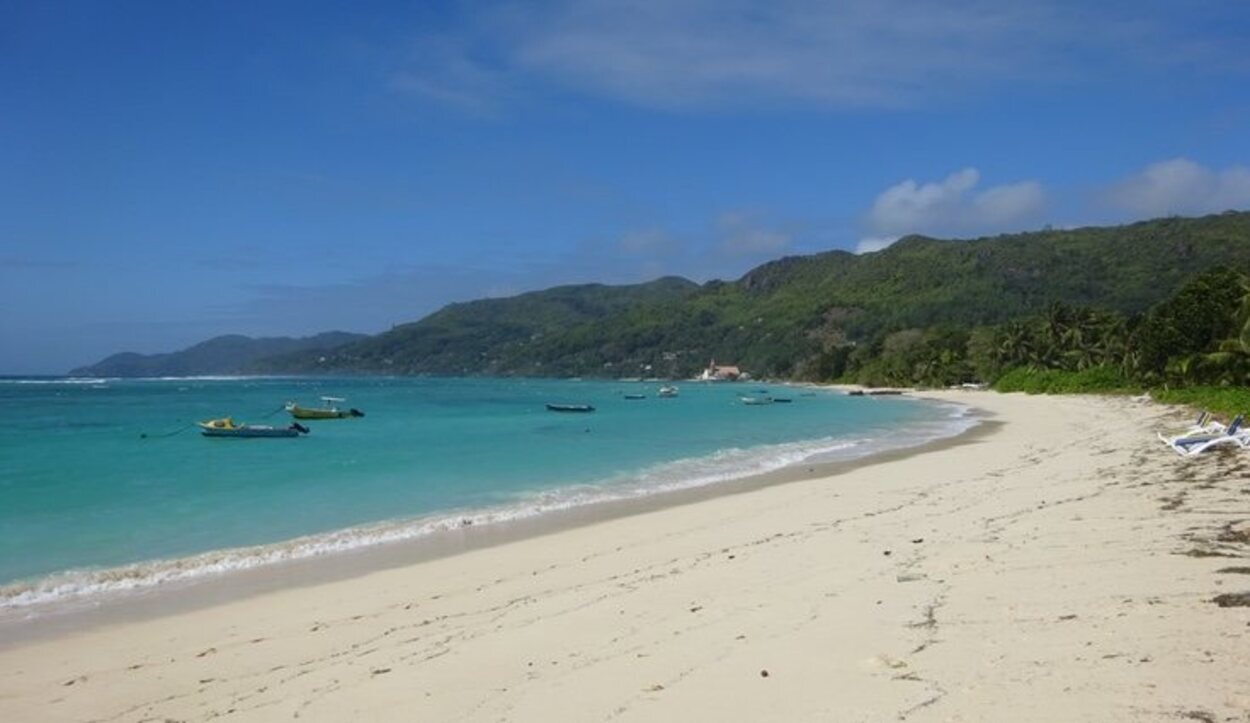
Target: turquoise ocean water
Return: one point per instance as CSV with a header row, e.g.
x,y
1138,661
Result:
x,y
89,506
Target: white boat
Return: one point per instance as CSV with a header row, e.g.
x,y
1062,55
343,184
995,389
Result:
x,y
667,392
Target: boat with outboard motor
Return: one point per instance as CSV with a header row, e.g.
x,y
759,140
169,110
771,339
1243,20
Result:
x,y
330,410
226,427
570,408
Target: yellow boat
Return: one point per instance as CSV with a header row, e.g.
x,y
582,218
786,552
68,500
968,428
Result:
x,y
329,411
227,427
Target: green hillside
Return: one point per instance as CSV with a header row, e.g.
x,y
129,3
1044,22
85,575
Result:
x,y
787,317
230,354
494,336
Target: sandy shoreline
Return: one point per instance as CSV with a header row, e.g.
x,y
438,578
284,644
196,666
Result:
x,y
22,625
1059,567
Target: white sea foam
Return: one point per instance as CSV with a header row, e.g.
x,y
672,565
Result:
x,y
207,378
27,597
106,380
67,380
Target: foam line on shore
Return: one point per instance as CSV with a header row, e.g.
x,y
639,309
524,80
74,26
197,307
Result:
x,y
27,599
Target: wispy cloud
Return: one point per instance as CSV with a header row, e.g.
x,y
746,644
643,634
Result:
x,y
743,234
950,206
448,71
1181,186
683,54
868,244
647,241
726,246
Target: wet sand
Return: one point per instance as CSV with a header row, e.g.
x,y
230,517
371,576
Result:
x,y
1059,564
23,625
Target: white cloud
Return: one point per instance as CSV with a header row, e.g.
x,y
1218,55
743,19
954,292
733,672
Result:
x,y
950,206
1004,205
874,243
911,206
1181,186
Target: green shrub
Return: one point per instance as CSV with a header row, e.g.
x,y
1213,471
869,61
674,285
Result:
x,y
1100,379
1222,400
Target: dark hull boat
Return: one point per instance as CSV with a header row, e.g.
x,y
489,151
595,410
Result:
x,y
227,428
570,408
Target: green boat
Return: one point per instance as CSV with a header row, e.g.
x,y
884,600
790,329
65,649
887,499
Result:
x,y
330,410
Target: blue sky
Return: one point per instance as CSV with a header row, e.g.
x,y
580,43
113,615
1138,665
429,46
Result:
x,y
170,171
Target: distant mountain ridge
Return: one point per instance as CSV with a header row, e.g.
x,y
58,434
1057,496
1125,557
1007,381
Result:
x,y
779,318
229,354
490,336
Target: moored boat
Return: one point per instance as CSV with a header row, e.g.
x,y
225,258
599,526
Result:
x,y
569,408
757,401
226,427
667,392
329,411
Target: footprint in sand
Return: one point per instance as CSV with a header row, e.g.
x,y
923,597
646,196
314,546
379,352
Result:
x,y
878,662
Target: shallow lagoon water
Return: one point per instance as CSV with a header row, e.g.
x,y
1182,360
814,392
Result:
x,y
88,504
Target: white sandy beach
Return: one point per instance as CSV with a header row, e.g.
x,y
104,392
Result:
x,y
1061,567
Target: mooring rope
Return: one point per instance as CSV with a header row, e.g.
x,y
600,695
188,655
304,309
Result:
x,y
184,428
180,430
279,409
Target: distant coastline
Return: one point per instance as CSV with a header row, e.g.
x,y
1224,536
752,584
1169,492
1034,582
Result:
x,y
809,318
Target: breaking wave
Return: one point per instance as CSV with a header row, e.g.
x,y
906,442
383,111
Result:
x,y
26,598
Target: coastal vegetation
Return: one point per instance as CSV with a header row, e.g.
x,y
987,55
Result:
x,y
1192,348
1161,305
922,312
1222,400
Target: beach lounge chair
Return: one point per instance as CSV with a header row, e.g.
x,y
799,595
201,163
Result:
x,y
1195,443
1206,423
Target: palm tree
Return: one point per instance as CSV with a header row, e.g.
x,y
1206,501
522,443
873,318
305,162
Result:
x,y
1056,322
1112,344
1243,316
1015,344
1230,362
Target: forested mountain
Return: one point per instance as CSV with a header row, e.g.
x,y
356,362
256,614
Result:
x,y
497,336
799,316
230,354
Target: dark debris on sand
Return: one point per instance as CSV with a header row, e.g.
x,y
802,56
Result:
x,y
1232,600
1228,534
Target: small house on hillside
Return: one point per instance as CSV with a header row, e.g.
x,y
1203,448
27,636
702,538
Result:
x,y
721,373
